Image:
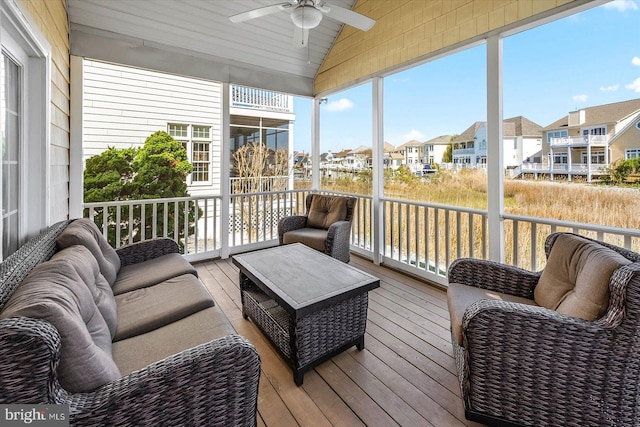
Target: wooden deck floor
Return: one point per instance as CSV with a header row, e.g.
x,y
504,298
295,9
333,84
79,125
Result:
x,y
404,376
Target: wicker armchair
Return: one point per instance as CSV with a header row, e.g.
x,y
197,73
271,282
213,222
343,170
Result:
x,y
523,364
325,227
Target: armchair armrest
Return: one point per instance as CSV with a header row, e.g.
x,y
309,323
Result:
x,y
493,276
148,249
215,383
528,353
290,223
337,243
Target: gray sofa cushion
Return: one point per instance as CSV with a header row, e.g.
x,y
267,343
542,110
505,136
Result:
x,y
84,232
148,273
146,309
87,267
313,237
140,351
55,292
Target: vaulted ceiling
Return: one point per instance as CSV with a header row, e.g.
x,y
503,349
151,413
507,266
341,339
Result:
x,y
195,37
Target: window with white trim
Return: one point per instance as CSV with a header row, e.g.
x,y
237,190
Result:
x,y
631,153
196,139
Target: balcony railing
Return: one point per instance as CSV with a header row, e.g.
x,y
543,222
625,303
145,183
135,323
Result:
x,y
259,99
463,151
564,168
580,141
419,238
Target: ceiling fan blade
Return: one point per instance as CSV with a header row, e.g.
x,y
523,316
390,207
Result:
x,y
300,37
348,17
259,12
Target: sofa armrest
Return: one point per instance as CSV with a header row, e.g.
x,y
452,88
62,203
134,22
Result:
x,y
290,223
215,383
146,250
493,276
338,242
29,350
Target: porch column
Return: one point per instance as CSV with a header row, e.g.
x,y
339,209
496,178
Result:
x,y
589,162
76,174
495,149
225,172
377,86
568,163
315,144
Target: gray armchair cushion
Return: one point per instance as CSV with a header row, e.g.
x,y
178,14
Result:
x,y
84,232
151,272
55,292
87,267
460,297
313,237
149,308
325,210
576,278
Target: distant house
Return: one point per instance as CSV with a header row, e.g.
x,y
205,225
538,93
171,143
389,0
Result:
x,y
393,159
521,141
434,149
587,141
412,154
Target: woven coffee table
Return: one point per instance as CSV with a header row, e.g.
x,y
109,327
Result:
x,y
309,305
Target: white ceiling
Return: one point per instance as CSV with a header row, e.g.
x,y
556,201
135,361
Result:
x,y
195,37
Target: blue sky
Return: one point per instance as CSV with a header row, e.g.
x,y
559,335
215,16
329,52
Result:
x,y
591,58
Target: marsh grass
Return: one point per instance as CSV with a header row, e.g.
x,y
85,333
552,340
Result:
x,y
573,202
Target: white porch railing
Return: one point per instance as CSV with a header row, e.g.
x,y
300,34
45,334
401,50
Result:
x,y
259,184
419,238
260,99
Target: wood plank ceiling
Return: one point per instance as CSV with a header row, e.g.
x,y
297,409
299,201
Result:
x,y
201,29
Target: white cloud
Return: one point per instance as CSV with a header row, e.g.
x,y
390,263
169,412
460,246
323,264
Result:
x,y
636,61
610,88
635,86
340,105
414,134
621,5
580,98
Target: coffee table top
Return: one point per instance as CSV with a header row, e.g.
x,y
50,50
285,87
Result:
x,y
301,279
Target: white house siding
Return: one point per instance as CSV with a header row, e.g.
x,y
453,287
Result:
x,y
123,106
51,19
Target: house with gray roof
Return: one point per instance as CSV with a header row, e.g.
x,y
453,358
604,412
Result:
x,y
586,142
521,139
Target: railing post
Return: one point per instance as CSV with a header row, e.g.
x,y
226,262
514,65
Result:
x,y
315,144
495,149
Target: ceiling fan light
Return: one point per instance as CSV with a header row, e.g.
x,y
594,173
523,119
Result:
x,y
306,17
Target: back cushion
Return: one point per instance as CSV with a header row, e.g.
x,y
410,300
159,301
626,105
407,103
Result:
x,y
87,268
84,232
325,210
55,292
576,278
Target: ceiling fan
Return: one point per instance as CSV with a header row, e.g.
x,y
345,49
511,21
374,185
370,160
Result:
x,y
307,14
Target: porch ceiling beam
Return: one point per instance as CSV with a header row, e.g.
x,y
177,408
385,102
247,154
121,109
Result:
x,y
102,45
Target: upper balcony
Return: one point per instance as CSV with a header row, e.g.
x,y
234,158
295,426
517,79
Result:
x,y
260,99
580,141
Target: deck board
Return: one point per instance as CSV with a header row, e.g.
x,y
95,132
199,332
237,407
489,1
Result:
x,y
404,376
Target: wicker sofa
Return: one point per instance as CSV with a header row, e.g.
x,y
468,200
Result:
x,y
556,347
126,337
